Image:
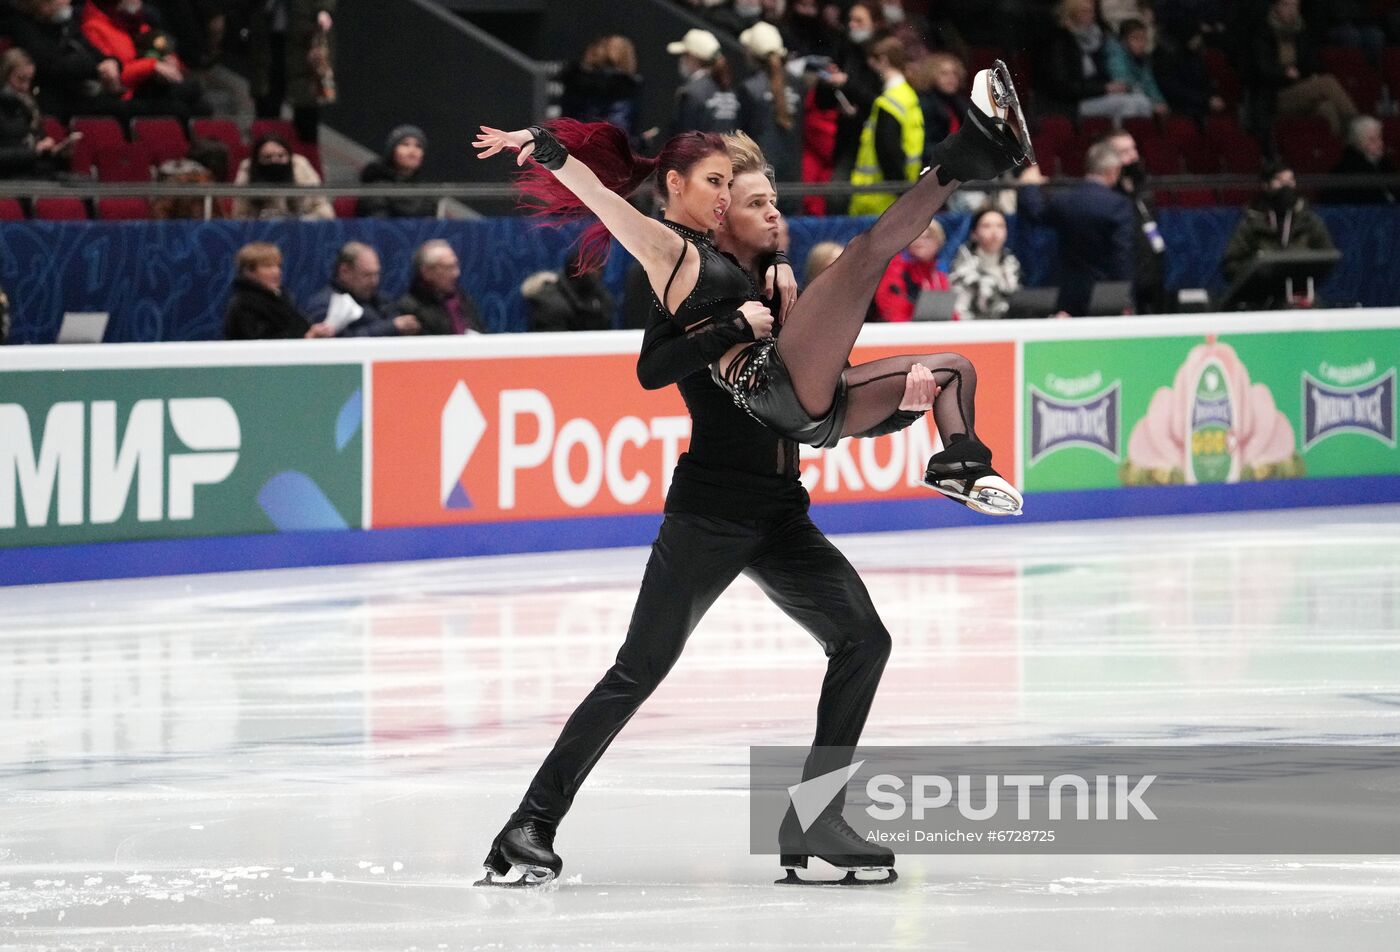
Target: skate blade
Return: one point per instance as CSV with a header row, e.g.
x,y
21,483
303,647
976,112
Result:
x,y
887,873
518,877
994,93
990,495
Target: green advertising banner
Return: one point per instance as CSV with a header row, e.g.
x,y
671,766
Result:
x,y
99,455
1151,411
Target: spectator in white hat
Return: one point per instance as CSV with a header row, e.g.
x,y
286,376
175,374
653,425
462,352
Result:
x,y
770,103
707,102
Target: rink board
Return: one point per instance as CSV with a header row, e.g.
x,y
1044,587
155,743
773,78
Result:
x,y
133,460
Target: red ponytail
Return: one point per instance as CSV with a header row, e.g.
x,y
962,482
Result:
x,y
604,148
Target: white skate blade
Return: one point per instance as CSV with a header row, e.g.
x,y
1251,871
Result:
x,y
990,495
874,876
517,878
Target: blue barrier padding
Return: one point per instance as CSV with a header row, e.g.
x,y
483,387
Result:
x,y
295,549
169,280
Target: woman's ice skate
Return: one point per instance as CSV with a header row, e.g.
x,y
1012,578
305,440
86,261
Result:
x,y
963,471
994,93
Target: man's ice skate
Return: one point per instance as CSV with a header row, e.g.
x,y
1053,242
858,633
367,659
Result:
x,y
830,838
963,471
522,856
994,138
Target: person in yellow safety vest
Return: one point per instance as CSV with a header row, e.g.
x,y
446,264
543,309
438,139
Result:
x,y
892,143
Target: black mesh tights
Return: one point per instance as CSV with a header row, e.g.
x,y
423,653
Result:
x,y
818,335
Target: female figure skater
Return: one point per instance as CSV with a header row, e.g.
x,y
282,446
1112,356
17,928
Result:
x,y
799,385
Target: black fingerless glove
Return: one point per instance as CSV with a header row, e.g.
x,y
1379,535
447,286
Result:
x,y
549,151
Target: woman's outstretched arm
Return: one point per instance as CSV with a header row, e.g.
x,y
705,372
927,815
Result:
x,y
646,239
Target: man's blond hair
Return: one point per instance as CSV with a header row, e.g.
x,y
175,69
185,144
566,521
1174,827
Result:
x,y
746,156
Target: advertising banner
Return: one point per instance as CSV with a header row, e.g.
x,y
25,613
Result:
x,y
503,439
102,455
1156,411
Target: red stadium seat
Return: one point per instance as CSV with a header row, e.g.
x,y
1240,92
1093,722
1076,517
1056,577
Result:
x,y
1181,129
1141,127
1240,156
1056,127
60,209
54,129
344,206
1094,126
128,162
123,209
164,137
11,210
1307,143
1189,198
1160,157
277,127
1201,157
98,133
225,131
1226,80
1355,73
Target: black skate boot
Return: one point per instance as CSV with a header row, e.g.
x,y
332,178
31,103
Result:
x,y
523,855
994,137
831,838
963,471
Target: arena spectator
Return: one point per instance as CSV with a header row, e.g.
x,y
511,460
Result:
x,y
274,163
1287,73
1277,218
192,207
72,76
259,309
820,258
435,297
1094,222
603,86
293,60
1149,248
153,74
565,300
854,86
707,102
892,144
770,105
1365,155
1115,13
804,31
1130,61
940,79
913,271
1179,63
403,160
985,273
25,152
351,305
1074,73
732,16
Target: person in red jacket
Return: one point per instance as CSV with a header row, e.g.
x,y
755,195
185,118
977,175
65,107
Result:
x,y
156,80
914,270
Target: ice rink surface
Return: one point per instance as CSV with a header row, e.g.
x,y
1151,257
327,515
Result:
x,y
318,759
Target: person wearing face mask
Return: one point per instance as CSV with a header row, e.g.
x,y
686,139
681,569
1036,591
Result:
x,y
72,77
858,86
404,152
1277,218
1149,249
274,163
1094,222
